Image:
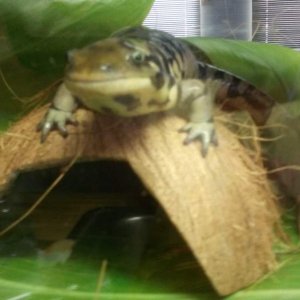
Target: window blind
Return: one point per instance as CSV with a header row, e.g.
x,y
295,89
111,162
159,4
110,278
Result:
x,y
277,21
219,17
178,17
274,21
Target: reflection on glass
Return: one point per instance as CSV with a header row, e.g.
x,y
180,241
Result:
x,y
226,18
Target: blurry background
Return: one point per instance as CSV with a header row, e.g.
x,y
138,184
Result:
x,y
270,21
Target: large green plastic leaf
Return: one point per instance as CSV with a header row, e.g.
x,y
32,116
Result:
x,y
79,281
274,69
41,31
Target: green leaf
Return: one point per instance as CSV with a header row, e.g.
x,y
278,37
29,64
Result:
x,y
273,69
41,31
167,270
79,283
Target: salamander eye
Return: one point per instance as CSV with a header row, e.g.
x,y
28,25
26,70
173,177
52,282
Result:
x,y
137,57
70,56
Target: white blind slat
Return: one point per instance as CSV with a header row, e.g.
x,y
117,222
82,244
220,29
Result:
x,y
277,22
178,17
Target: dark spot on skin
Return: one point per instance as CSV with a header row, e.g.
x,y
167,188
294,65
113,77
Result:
x,y
169,51
171,82
202,68
159,58
153,59
107,110
173,50
127,44
182,73
169,56
249,91
233,89
180,48
256,98
129,101
158,80
177,60
252,96
154,102
218,74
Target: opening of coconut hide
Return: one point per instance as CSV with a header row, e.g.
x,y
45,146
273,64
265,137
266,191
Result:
x,y
99,211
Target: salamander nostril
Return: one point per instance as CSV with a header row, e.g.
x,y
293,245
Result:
x,y
105,67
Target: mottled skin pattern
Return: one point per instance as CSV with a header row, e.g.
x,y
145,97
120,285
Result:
x,y
140,71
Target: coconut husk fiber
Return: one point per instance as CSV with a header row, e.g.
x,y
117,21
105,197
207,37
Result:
x,y
221,204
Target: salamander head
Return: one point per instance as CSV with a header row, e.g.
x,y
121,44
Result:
x,y
122,76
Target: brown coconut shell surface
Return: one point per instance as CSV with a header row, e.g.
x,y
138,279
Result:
x,y
221,204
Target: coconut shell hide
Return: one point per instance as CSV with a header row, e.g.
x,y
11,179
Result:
x,y
221,204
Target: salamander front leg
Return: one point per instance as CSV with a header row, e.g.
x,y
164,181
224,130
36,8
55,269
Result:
x,y
59,114
198,97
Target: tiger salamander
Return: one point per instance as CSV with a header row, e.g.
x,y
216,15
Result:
x,y
140,71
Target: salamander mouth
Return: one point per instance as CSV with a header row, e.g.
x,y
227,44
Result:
x,y
87,81
109,86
